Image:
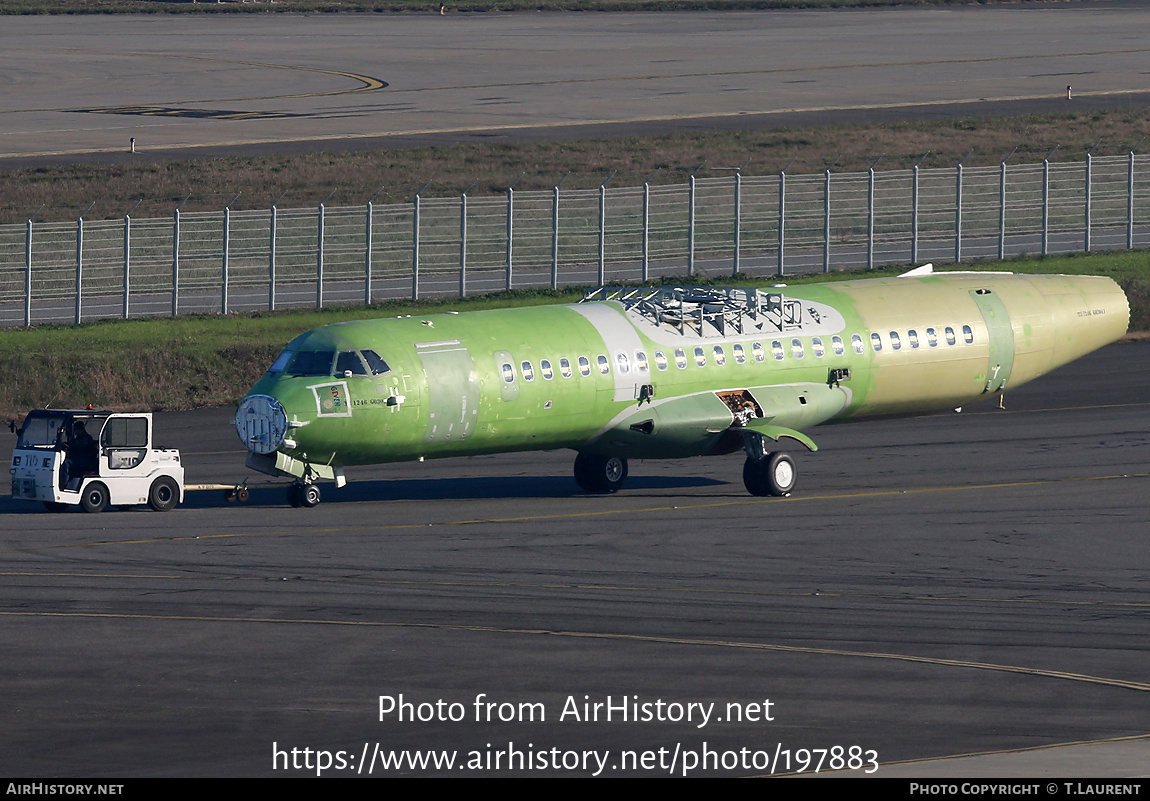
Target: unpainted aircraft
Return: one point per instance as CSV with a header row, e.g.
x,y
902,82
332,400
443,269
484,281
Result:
x,y
663,373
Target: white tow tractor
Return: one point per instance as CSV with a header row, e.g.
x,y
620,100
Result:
x,y
94,459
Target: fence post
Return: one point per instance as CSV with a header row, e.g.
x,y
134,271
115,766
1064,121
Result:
x,y
28,268
647,225
1046,201
367,242
1130,197
510,226
738,222
914,209
272,226
827,215
320,221
603,228
691,220
958,208
80,263
127,256
1002,205
870,214
1087,201
782,217
555,232
176,256
415,241
463,240
227,252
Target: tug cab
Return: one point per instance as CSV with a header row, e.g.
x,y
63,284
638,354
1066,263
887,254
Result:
x,y
93,459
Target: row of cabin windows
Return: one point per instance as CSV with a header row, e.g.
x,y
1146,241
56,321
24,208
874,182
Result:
x,y
624,364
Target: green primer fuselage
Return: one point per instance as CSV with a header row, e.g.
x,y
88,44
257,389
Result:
x,y
675,378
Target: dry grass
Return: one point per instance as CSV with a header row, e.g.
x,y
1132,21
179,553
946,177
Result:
x,y
212,182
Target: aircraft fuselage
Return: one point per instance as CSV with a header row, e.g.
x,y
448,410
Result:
x,y
665,373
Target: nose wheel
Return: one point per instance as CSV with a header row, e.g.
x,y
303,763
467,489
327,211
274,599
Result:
x,y
303,494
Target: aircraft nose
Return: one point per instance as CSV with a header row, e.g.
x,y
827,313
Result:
x,y
261,423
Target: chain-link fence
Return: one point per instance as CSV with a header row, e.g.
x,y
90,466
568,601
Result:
x,y
763,225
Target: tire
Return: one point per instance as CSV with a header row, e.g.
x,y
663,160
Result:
x,y
164,494
310,495
773,475
242,495
600,474
94,498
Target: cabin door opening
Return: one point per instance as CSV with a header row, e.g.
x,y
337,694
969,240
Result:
x,y
453,391
1001,334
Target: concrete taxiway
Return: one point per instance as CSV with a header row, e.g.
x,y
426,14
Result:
x,y
85,86
961,585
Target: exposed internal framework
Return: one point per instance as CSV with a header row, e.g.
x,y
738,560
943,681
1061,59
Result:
x,y
709,311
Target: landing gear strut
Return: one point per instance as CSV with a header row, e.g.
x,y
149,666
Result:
x,y
303,493
600,474
774,474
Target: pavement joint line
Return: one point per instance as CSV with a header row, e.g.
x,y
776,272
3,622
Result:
x,y
618,637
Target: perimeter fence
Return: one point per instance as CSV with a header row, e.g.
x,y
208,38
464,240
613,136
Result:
x,y
763,225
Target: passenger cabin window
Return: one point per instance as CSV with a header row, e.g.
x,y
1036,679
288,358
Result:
x,y
895,342
837,345
604,365
545,369
565,368
508,373
797,348
740,356
932,337
777,350
760,353
584,366
623,363
700,357
967,335
912,337
311,362
720,357
349,363
680,359
857,343
661,360
876,342
817,347
950,340
641,361
527,370
377,365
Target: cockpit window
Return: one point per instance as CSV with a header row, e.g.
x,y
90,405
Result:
x,y
312,362
281,363
378,366
348,362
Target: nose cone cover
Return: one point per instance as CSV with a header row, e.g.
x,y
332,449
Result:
x,y
261,423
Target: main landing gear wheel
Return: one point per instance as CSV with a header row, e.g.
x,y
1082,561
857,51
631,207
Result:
x,y
95,497
600,473
307,495
774,474
164,494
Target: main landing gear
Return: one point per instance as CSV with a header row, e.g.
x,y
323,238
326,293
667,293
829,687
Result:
x,y
773,474
600,474
303,493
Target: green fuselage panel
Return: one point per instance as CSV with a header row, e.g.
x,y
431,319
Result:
x,y
640,380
